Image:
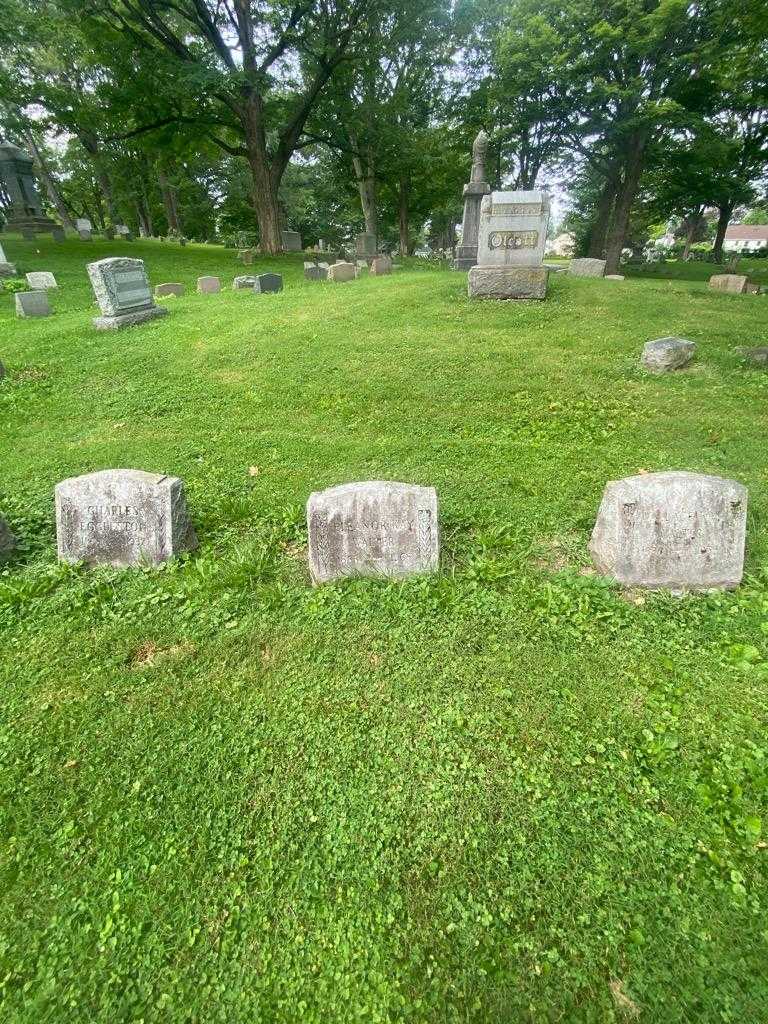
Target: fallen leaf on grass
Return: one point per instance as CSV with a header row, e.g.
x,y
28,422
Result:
x,y
628,1006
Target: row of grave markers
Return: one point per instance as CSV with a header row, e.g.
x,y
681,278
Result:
x,y
675,530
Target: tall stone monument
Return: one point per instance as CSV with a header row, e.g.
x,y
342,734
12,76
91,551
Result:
x,y
17,178
474,190
510,249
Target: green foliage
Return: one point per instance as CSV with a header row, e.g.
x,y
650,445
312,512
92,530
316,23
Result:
x,y
506,792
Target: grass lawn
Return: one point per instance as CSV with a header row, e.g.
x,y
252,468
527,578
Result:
x,y
508,792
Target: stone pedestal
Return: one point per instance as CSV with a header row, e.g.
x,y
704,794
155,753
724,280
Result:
x,y
466,253
508,282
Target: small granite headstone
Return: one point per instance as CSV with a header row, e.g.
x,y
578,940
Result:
x,y
676,531
208,285
341,272
291,241
243,281
6,269
587,268
83,224
32,304
169,288
121,287
268,283
41,279
122,517
381,265
736,284
664,354
314,272
58,235
7,539
375,528
510,249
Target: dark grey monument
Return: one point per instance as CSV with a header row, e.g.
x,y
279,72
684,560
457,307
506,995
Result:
x,y
466,253
17,179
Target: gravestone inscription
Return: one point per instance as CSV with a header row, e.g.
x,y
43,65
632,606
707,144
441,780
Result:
x,y
121,287
374,528
122,517
672,531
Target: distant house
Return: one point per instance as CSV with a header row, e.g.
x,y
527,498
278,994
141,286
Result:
x,y
563,245
746,237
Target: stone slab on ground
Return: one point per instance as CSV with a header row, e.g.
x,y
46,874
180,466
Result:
x,y
757,356
673,531
734,284
169,288
372,528
587,267
208,285
32,304
663,354
507,282
243,281
265,283
614,277
41,279
122,517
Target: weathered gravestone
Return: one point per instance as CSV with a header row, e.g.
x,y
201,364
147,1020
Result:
x,y
376,528
365,246
122,517
85,236
614,277
122,290
58,235
341,272
757,357
381,265
676,531
208,285
663,354
245,256
169,288
23,209
243,281
268,283
313,272
41,279
32,304
83,224
7,539
513,231
6,269
291,241
474,190
586,268
28,234
736,284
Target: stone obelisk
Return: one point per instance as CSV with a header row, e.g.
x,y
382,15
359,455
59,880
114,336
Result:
x,y
474,190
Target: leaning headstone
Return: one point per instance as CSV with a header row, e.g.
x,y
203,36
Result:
x,y
736,284
122,290
376,528
676,531
58,235
341,272
381,265
474,190
32,304
41,279
169,288
314,272
7,539
587,268
664,354
268,283
208,285
243,281
513,231
122,517
291,241
6,269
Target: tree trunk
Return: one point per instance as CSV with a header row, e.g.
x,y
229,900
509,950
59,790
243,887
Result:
x,y
405,245
725,213
90,144
141,215
625,195
365,176
48,180
170,204
693,223
603,211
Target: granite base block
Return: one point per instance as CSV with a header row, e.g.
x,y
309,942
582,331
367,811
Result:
x,y
507,282
138,316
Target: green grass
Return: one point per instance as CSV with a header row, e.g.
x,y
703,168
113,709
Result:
x,y
508,792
